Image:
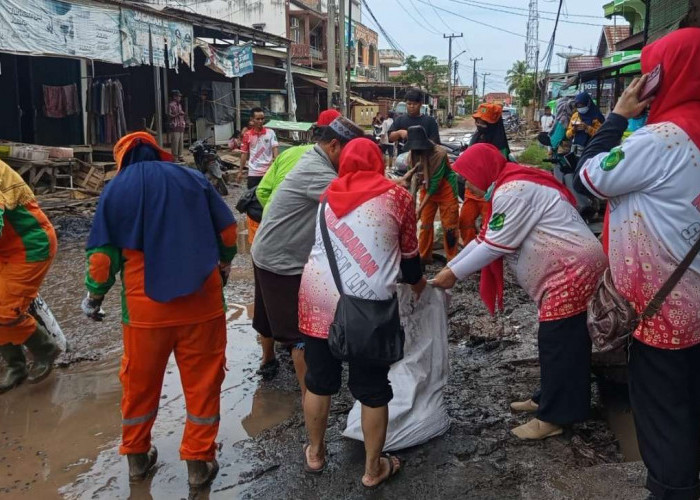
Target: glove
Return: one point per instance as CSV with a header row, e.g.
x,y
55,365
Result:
x,y
93,308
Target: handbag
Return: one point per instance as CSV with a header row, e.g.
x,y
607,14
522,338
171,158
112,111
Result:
x,y
362,330
611,318
248,204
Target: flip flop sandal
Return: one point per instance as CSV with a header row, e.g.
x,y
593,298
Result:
x,y
392,472
269,370
307,468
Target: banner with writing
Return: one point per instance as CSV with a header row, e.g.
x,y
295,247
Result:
x,y
145,37
56,27
233,61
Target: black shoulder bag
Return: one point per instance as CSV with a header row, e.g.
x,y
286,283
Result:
x,y
248,204
363,330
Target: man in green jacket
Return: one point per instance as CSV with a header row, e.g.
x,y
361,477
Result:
x,y
286,161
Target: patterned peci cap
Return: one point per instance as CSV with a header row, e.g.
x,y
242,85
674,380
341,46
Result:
x,y
347,129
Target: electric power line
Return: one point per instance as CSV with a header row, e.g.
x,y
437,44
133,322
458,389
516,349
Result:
x,y
584,16
493,9
418,23
394,44
426,21
497,28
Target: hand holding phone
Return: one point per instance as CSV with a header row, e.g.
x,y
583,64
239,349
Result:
x,y
630,103
653,83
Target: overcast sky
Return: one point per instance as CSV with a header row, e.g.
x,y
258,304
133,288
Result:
x,y
498,49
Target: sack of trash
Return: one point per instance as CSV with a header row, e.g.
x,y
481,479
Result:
x,y
417,412
43,315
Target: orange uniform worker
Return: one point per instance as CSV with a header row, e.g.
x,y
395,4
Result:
x,y
439,191
169,234
27,248
489,130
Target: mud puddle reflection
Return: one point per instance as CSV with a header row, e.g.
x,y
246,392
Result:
x,y
61,438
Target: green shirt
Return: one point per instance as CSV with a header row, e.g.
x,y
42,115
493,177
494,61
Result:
x,y
279,169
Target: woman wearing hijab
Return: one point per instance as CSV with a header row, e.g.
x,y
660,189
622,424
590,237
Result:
x,y
372,226
438,192
584,123
489,130
565,108
535,227
654,179
172,238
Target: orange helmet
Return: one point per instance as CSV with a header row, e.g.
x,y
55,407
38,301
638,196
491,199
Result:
x,y
129,141
489,112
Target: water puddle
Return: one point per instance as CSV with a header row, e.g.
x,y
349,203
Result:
x,y
60,438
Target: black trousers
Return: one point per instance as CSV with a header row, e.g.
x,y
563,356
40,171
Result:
x,y
369,384
665,395
565,371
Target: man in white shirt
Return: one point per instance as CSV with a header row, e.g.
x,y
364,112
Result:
x,y
259,148
387,147
547,120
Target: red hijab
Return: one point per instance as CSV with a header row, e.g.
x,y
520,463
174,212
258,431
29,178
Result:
x,y
678,99
360,178
484,165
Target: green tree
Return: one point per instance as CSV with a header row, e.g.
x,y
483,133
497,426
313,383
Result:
x,y
425,72
515,75
521,82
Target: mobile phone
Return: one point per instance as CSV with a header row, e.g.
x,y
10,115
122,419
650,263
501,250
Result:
x,y
653,83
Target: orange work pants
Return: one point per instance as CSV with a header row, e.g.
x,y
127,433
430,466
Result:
x,y
446,201
19,286
200,352
471,210
252,229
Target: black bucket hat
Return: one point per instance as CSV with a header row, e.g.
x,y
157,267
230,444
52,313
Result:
x,y
417,139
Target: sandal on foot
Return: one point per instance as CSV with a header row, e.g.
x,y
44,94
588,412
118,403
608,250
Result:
x,y
392,471
269,370
307,468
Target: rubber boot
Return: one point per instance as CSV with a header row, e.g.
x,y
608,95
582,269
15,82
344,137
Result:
x,y
140,464
44,352
201,473
16,371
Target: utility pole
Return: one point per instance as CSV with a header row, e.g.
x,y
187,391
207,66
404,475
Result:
x,y
537,70
449,66
237,94
475,82
350,61
342,63
483,84
330,50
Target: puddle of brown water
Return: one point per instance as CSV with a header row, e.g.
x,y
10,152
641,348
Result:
x,y
60,438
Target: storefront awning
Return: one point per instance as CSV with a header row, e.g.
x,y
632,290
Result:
x,y
291,126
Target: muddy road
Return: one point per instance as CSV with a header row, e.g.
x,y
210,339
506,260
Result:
x,y
59,439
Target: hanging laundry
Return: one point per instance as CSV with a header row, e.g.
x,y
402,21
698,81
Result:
x,y
61,101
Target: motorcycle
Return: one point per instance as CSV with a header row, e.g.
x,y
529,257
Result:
x,y
207,161
512,124
564,166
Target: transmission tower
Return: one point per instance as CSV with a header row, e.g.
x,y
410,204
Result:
x,y
533,28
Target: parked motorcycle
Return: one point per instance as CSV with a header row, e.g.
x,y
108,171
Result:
x,y
512,124
591,209
207,161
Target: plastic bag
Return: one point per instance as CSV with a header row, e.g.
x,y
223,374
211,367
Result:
x,y
43,315
417,412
